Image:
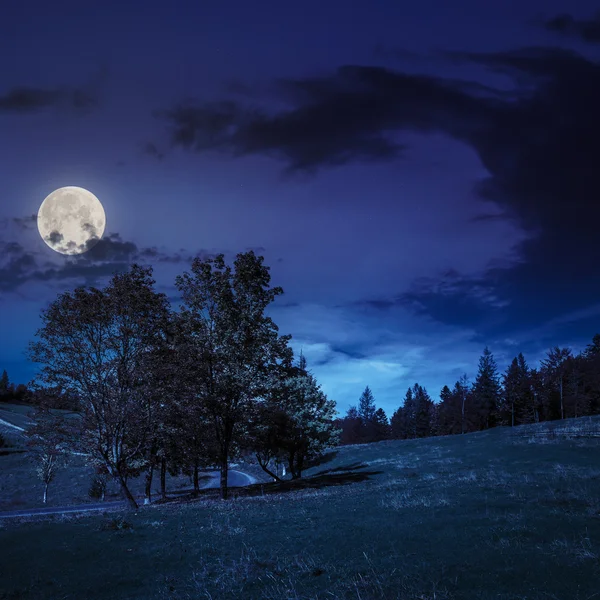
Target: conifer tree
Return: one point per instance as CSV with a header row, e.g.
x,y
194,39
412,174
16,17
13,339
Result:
x,y
381,426
554,368
366,406
423,410
487,391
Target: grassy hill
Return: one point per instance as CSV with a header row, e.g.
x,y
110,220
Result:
x,y
499,514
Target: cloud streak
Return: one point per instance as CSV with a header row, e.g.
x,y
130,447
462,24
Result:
x,y
587,30
111,254
22,100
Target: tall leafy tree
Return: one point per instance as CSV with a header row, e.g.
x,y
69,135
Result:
x,y
94,345
311,414
487,392
237,348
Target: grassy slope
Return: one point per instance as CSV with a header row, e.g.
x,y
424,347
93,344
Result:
x,y
486,515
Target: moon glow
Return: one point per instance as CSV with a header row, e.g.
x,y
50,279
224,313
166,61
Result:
x,y
71,220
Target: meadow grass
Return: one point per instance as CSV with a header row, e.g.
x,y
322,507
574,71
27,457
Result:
x,y
480,516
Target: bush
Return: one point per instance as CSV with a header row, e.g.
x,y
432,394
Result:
x,y
97,488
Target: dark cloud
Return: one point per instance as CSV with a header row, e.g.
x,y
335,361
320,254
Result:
x,y
29,99
25,223
150,149
106,256
538,142
585,29
54,237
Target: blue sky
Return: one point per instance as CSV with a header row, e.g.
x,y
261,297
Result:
x,y
422,182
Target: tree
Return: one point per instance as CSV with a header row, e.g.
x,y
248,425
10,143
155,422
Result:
x,y
487,391
381,426
404,419
537,391
445,412
4,384
351,426
516,403
554,368
423,411
366,406
296,421
236,349
47,444
94,345
590,367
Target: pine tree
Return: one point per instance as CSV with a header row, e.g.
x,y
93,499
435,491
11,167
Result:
x,y
553,373
351,427
487,392
423,410
366,406
410,415
516,402
381,426
444,412
398,424
591,375
4,384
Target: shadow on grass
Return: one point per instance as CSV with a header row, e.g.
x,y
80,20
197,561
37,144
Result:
x,y
321,460
352,467
322,480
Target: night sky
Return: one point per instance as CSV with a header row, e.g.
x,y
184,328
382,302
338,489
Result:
x,y
423,179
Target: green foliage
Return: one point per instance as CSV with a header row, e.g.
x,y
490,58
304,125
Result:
x,y
94,345
233,352
296,422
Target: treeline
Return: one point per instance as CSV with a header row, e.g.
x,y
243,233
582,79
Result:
x,y
9,392
157,390
24,394
564,386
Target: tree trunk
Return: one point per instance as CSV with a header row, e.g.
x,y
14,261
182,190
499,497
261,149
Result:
x,y
224,470
196,483
163,478
299,466
148,488
562,414
512,410
265,468
45,492
127,495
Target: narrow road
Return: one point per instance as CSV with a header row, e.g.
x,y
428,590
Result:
x,y
234,479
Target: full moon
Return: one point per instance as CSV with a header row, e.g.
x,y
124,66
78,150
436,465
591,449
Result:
x,y
71,220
